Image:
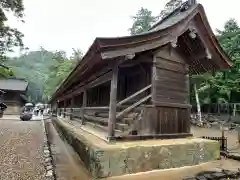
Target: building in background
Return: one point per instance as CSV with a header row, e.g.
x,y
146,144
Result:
x,y
15,94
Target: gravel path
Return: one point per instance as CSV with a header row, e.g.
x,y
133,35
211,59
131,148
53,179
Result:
x,y
21,150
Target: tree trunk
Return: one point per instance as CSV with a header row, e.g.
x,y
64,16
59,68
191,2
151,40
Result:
x,y
199,115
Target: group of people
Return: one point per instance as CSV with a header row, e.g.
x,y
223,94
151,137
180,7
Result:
x,y
38,111
29,111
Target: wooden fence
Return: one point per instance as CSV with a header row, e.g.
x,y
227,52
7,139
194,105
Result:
x,y
223,108
222,141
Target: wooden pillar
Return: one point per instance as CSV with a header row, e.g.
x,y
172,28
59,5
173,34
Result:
x,y
84,104
64,106
188,89
113,103
72,106
57,109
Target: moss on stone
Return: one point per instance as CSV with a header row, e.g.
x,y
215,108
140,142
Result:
x,y
120,160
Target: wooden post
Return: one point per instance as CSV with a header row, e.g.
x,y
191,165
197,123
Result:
x,y
84,103
64,110
234,109
188,88
58,109
71,110
113,103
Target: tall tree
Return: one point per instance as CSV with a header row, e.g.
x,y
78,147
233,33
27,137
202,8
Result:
x,y
60,70
229,38
142,21
9,37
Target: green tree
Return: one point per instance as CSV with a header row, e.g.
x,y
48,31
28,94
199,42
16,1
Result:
x,y
61,68
10,37
223,86
33,66
142,21
229,39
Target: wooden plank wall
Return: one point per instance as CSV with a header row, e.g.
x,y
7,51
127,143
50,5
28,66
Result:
x,y
170,80
164,120
170,112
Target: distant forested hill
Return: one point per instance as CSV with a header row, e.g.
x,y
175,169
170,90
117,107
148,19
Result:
x,y
44,71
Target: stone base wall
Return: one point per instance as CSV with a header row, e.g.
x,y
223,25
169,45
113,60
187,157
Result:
x,y
120,158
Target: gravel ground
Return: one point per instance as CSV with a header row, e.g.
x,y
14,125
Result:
x,y
21,150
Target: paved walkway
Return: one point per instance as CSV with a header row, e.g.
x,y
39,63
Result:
x,y
21,150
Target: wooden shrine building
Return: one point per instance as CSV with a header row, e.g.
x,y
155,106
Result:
x,y
137,87
14,94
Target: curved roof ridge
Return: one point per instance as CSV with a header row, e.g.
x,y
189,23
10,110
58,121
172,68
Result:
x,y
103,45
183,6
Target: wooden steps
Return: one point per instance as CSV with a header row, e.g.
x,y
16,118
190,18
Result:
x,y
103,123
100,120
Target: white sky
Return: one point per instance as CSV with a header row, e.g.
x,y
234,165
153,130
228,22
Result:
x,y
67,24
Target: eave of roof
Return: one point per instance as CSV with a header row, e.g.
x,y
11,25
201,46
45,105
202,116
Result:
x,y
13,84
101,45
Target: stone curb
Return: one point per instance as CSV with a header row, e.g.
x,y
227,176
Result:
x,y
216,174
48,162
234,156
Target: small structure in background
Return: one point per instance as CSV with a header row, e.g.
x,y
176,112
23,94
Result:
x,y
14,97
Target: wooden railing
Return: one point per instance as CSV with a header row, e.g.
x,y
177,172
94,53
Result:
x,y
134,95
130,108
83,115
136,104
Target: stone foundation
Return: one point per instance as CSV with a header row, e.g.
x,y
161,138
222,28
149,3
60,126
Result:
x,y
104,159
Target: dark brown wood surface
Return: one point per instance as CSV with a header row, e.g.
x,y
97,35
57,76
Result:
x,y
165,120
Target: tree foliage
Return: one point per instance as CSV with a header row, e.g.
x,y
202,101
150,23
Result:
x,y
142,21
60,70
44,70
9,37
222,86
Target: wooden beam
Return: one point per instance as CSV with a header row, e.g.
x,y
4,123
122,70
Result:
x,y
130,108
174,42
134,95
97,108
113,102
102,121
175,105
99,80
151,136
194,28
84,104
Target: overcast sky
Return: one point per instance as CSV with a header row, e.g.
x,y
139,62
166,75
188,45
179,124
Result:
x,y
67,24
